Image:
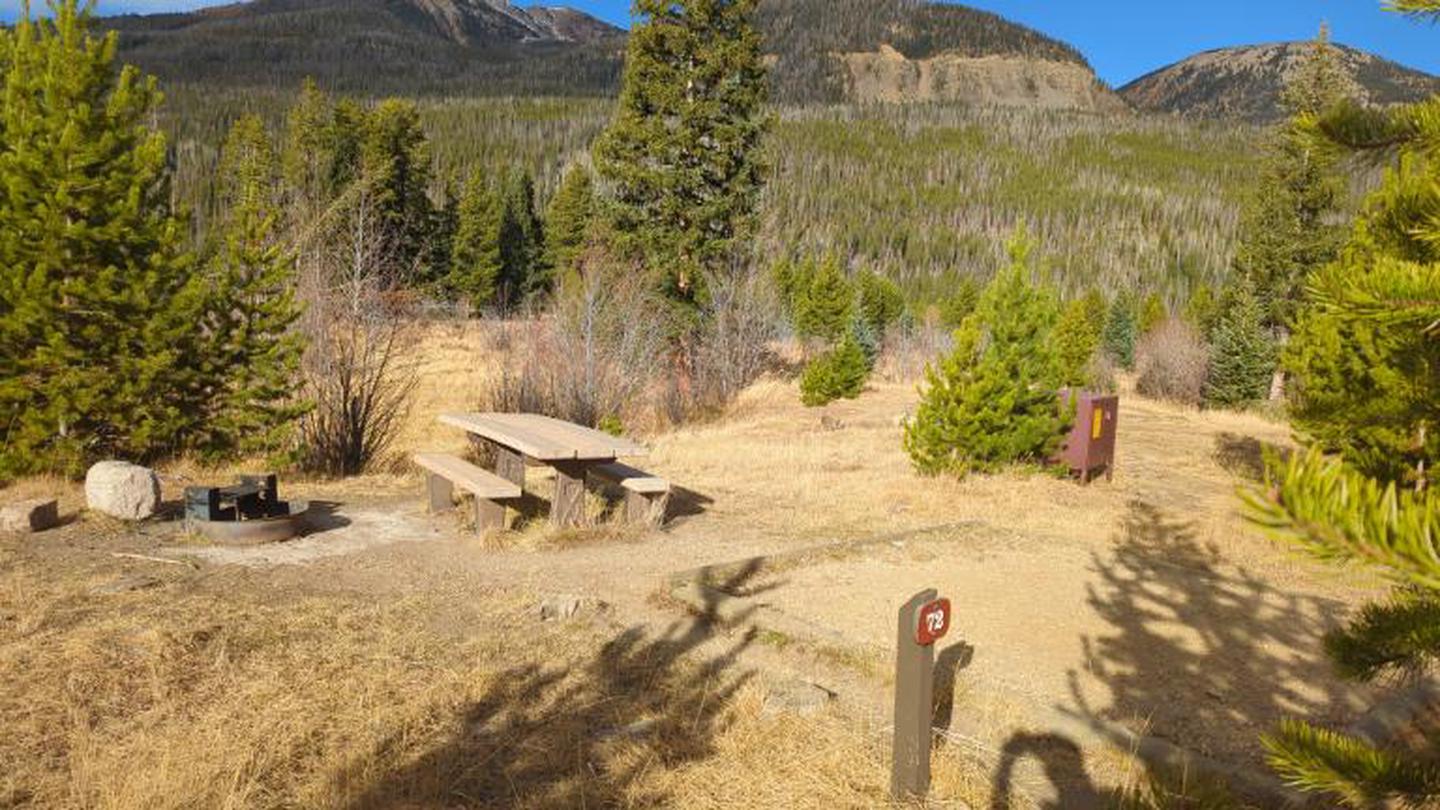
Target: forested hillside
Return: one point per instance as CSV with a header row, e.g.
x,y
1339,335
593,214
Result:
x,y
378,47
921,194
481,48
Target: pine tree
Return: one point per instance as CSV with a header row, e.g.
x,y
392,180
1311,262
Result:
x,y
683,152
306,154
440,246
992,402
1285,232
1242,353
1202,310
1120,333
839,373
96,289
567,222
345,136
1076,339
958,305
250,355
824,299
1097,310
396,164
881,302
1372,314
521,243
1153,312
475,262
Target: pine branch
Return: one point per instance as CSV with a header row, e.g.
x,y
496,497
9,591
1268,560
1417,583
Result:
x,y
1392,292
1321,761
1402,636
1338,514
1429,9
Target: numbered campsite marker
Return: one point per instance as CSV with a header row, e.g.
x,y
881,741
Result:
x,y
934,622
924,620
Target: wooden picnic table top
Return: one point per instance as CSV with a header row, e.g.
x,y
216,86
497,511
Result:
x,y
543,438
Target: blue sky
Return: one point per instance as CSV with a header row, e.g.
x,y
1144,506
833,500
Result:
x,y
1123,39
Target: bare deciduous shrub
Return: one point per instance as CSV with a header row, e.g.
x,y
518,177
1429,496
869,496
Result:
x,y
905,352
1100,374
1172,361
596,354
733,348
355,376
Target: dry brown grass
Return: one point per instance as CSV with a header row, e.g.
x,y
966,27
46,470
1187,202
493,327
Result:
x,y
224,693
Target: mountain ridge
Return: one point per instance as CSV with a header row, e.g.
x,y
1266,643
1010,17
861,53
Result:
x,y
820,50
1245,82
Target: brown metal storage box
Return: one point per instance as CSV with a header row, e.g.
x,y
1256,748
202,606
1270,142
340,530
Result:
x,y
1090,447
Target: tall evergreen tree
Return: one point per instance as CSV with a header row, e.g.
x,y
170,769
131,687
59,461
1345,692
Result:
x,y
1285,229
345,137
992,401
567,222
880,300
1120,332
1153,312
683,150
959,304
1373,316
396,164
1076,339
823,301
475,261
1202,310
249,354
305,155
1242,352
521,243
440,246
96,289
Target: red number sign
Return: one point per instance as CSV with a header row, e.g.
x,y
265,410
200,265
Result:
x,y
934,622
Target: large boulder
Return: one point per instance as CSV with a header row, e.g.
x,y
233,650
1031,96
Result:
x,y
123,490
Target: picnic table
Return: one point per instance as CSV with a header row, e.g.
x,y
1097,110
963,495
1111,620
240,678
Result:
x,y
573,451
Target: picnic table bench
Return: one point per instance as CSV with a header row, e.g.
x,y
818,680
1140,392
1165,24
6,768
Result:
x,y
574,452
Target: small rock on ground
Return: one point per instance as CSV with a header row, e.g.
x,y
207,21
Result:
x,y
566,606
34,515
799,697
125,584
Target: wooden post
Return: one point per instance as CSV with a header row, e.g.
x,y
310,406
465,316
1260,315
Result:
x,y
441,492
914,694
509,464
647,508
488,515
567,508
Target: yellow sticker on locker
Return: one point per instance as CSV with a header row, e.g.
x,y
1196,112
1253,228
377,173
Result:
x,y
1097,424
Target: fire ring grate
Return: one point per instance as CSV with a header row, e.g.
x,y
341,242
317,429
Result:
x,y
249,513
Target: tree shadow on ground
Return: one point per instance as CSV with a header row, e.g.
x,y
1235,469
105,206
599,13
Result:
x,y
1063,768
1201,654
1199,660
1063,764
686,502
1245,456
324,516
583,736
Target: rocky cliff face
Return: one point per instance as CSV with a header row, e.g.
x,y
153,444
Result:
x,y
887,75
1246,82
